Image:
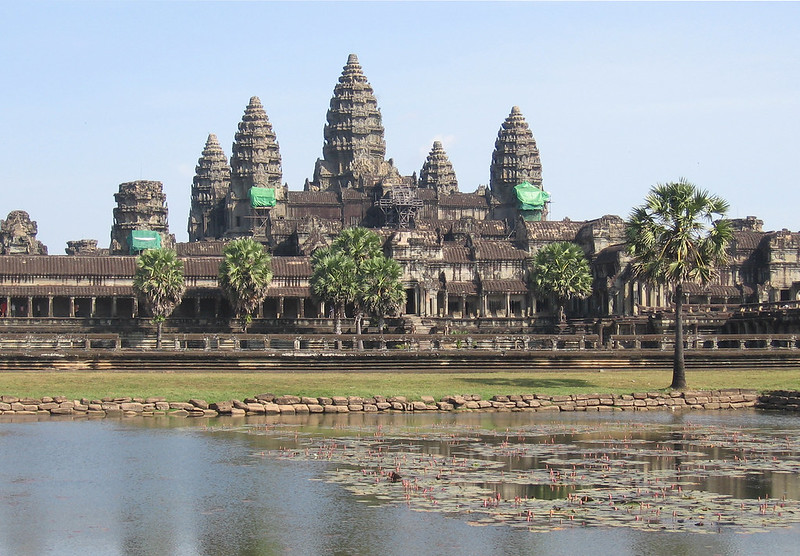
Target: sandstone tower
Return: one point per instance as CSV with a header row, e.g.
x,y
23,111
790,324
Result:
x,y
437,172
354,150
515,160
18,235
209,189
255,162
140,216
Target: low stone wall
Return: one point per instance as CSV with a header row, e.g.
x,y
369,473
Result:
x,y
270,404
783,400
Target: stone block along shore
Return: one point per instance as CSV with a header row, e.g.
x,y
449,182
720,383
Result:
x,y
270,404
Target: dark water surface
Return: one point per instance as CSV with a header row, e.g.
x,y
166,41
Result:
x,y
175,486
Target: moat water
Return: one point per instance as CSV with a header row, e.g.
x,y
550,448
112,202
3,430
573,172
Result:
x,y
499,483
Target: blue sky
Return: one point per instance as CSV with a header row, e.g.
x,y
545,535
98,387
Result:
x,y
619,96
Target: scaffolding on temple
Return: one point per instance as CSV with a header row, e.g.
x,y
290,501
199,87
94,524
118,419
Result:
x,y
400,205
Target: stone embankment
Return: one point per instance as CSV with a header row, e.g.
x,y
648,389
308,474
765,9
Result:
x,y
270,404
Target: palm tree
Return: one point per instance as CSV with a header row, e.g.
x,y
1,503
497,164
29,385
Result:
x,y
334,280
673,238
381,291
159,282
360,244
244,276
560,271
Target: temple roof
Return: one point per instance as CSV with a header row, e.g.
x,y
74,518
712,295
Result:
x,y
256,155
354,130
437,172
504,286
515,158
488,250
461,288
561,230
463,200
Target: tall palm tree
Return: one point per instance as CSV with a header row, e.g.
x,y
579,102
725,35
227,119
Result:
x,y
159,282
673,239
361,245
381,291
244,276
560,271
334,280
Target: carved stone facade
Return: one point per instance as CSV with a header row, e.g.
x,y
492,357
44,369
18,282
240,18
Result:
x,y
465,255
437,173
354,151
255,162
141,206
18,235
515,160
209,191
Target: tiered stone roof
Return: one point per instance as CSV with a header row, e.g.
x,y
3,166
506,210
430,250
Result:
x,y
354,132
255,162
515,158
437,172
209,188
256,158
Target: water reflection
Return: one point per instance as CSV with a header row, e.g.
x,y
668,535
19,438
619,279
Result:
x,y
226,486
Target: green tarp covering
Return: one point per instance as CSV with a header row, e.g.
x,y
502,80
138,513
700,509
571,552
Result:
x,y
531,197
262,197
144,239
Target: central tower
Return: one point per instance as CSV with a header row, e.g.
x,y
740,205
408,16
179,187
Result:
x,y
354,152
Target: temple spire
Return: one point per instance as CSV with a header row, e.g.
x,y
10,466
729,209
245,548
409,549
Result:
x,y
437,172
354,134
209,189
255,162
515,160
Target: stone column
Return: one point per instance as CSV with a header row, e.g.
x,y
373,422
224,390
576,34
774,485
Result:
x,y
463,306
29,312
508,305
92,306
301,310
71,306
135,307
280,307
50,306
114,306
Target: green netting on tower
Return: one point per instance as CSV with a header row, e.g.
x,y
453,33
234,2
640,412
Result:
x,y
531,197
261,197
144,239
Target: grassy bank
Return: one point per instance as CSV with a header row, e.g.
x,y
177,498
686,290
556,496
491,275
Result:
x,y
218,386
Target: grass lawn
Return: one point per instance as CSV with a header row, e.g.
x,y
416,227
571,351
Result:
x,y
218,386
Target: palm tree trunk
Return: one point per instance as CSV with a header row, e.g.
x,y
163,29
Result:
x,y
359,321
337,319
158,334
678,365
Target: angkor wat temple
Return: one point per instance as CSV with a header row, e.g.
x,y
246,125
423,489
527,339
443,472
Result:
x,y
465,254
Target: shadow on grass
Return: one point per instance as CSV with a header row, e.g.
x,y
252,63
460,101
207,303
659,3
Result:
x,y
527,383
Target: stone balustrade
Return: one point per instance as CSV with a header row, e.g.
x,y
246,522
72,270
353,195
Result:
x,y
394,342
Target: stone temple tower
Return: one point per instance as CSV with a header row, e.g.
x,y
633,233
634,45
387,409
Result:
x,y
140,218
209,189
437,172
354,150
515,160
255,162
